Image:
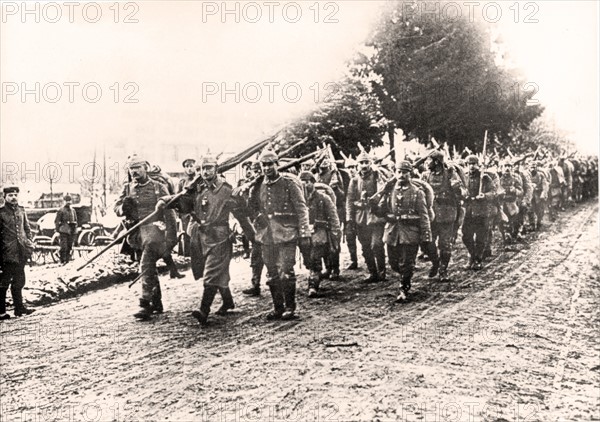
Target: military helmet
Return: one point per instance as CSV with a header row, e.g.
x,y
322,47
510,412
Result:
x,y
437,155
307,175
404,165
209,160
364,156
268,156
135,161
472,159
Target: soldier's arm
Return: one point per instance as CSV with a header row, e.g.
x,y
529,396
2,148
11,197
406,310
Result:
x,y
299,204
118,208
332,217
241,214
27,226
57,220
545,186
491,193
168,215
457,186
518,186
423,213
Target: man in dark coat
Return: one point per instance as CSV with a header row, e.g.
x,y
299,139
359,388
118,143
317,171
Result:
x,y
540,186
189,168
359,215
281,225
407,225
66,225
16,248
481,194
256,260
325,230
511,194
139,199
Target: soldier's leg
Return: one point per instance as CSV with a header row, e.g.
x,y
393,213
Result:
x,y
408,256
317,253
431,249
62,252
69,251
208,296
173,272
351,242
228,303
150,283
4,283
393,252
378,249
481,231
256,264
286,262
468,238
446,234
363,233
16,289
270,255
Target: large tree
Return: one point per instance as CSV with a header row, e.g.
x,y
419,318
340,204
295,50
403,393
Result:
x,y
437,75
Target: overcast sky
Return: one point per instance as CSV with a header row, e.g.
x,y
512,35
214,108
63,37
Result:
x,y
179,56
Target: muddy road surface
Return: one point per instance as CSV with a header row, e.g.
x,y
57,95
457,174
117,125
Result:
x,y
517,341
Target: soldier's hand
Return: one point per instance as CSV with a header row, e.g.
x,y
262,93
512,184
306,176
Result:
x,y
480,196
160,205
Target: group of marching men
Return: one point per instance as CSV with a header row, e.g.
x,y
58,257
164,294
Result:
x,y
416,204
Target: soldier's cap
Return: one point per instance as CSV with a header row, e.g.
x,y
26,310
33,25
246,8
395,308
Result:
x,y
209,160
68,198
404,166
188,160
363,156
10,189
307,175
135,161
255,165
472,159
268,156
437,155
247,164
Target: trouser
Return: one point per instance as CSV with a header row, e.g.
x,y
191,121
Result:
x,y
402,260
153,248
474,236
371,241
536,213
332,260
443,234
256,263
351,242
66,247
208,296
280,259
13,276
317,253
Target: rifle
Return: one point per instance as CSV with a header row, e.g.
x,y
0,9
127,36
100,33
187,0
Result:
x,y
482,162
290,149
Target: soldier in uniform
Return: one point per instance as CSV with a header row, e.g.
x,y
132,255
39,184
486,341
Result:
x,y
256,260
407,225
557,186
189,168
511,193
139,199
210,203
16,248
525,203
65,224
481,193
350,166
539,183
448,192
281,224
359,216
329,175
326,233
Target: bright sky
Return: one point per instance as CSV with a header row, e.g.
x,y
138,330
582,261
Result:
x,y
180,55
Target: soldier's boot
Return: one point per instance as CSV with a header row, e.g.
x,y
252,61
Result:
x,y
313,284
20,309
145,311
471,263
380,259
289,293
3,314
157,305
444,261
372,267
228,303
255,289
478,265
174,273
278,302
208,295
435,265
404,288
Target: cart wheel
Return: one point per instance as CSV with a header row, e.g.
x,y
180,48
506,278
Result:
x,y
55,239
86,238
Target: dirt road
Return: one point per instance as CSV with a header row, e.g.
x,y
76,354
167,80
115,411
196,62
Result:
x,y
517,341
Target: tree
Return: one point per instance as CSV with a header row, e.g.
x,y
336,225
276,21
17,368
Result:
x,y
436,75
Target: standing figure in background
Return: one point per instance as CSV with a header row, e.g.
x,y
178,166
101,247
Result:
x,y
66,225
16,248
189,168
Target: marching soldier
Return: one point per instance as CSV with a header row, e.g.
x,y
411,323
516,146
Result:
x,y
512,192
407,225
481,194
256,260
539,184
281,224
209,203
189,168
16,247
350,230
326,233
66,225
139,199
359,216
448,192
525,203
557,186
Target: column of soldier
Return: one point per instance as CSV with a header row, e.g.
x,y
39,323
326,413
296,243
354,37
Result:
x,y
424,204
